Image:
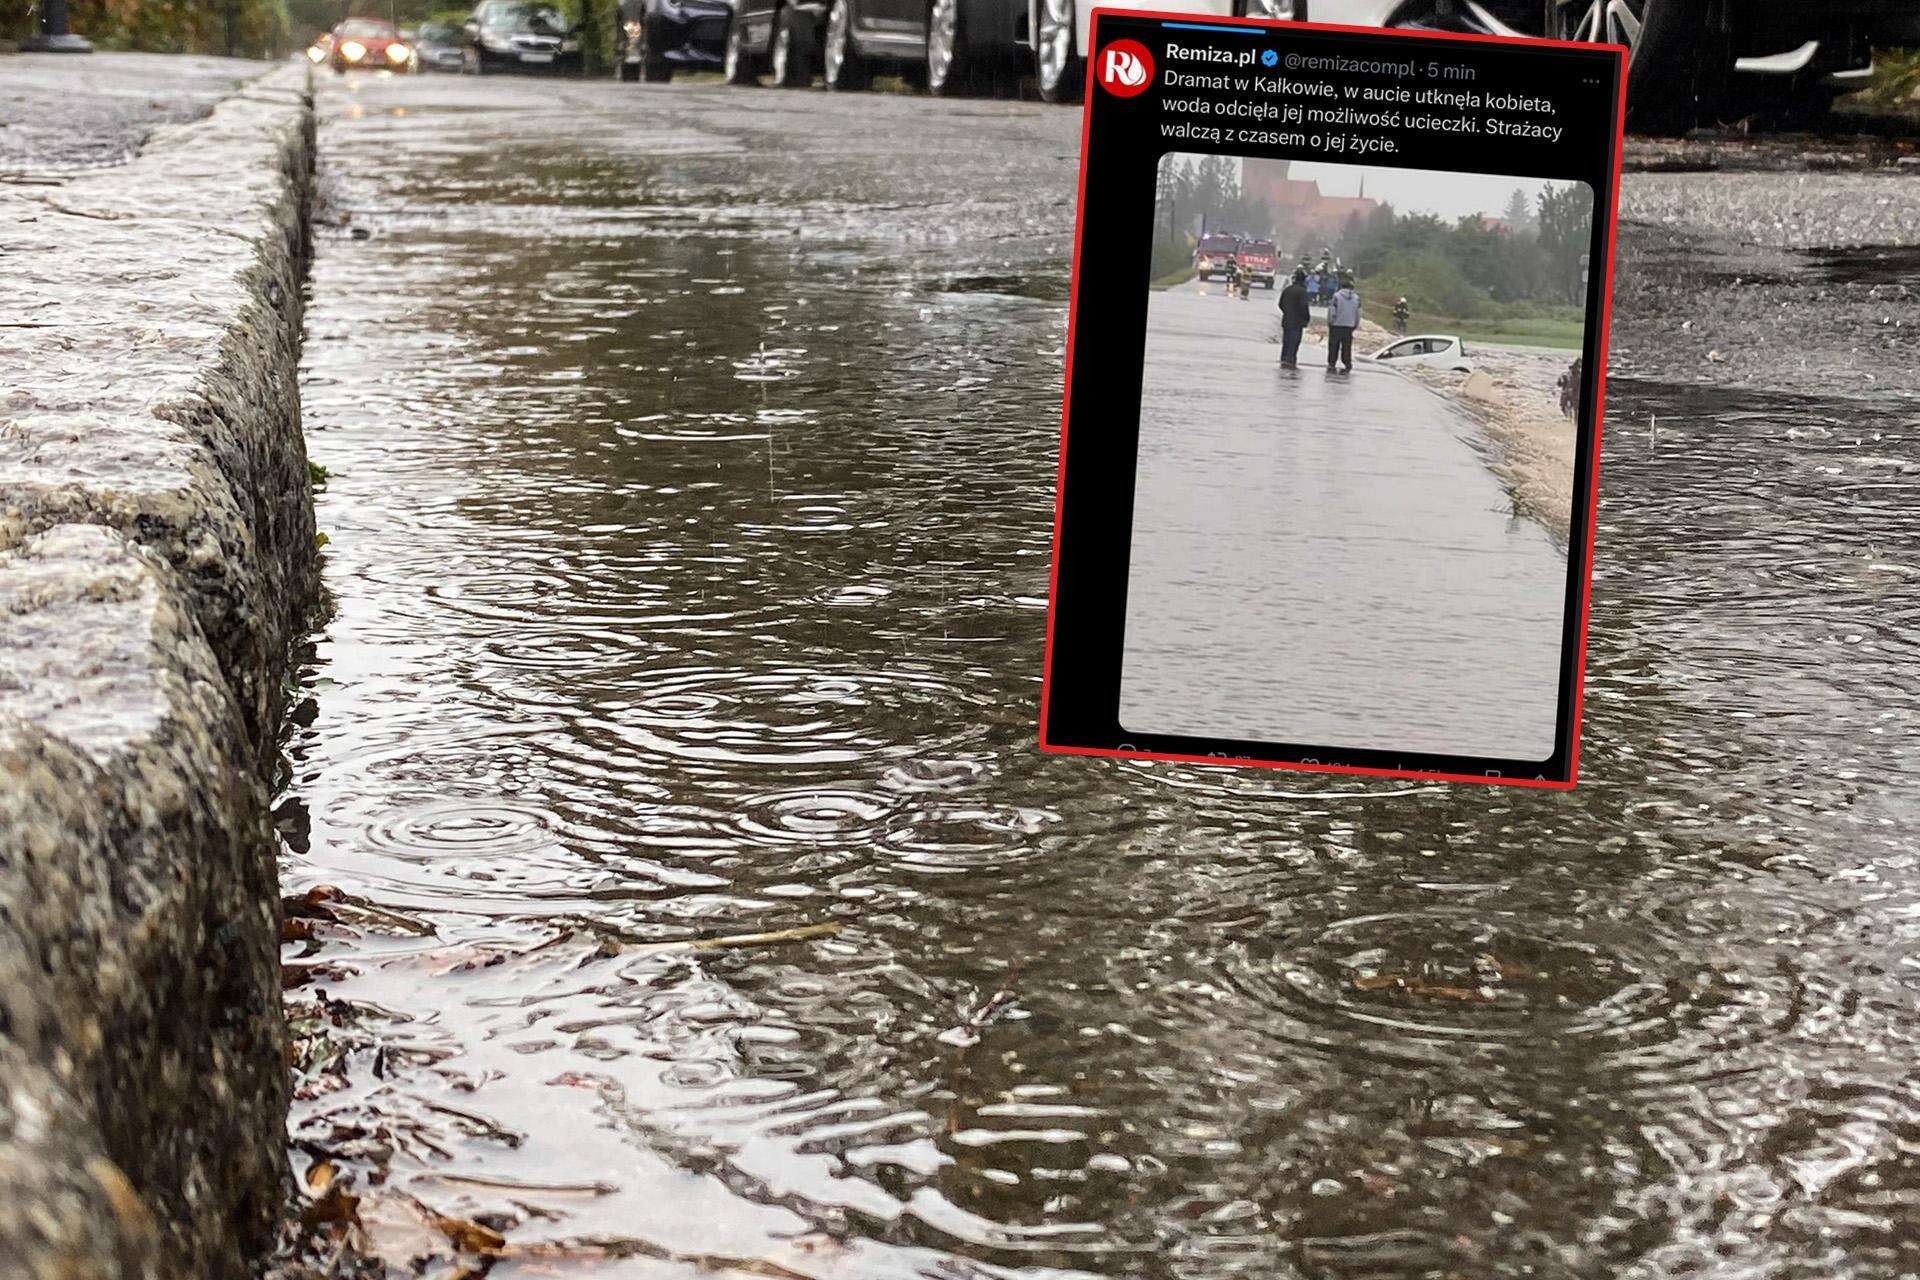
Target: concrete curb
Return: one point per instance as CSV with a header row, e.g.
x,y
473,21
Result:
x,y
157,564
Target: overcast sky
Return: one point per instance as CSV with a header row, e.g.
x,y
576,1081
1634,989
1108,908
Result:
x,y
1422,191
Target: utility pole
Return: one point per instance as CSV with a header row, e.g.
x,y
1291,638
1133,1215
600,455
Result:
x,y
54,36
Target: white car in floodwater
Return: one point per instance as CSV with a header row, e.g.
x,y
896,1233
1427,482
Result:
x,y
1439,350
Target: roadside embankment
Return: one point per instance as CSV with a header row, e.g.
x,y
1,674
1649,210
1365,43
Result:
x,y
1514,397
157,564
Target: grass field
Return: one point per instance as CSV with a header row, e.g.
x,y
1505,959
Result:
x,y
1530,332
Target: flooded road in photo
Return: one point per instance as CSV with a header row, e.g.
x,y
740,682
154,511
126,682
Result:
x,y
678,891
1325,558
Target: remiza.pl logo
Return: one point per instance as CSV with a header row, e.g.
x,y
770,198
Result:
x,y
1125,68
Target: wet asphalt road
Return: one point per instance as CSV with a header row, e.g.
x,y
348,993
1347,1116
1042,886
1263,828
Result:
x,y
1325,558
691,460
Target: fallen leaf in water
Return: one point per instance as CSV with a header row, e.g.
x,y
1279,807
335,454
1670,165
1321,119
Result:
x,y
797,934
337,1205
469,1236
320,1176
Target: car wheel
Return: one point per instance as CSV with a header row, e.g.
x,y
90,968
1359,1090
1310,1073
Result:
x,y
736,64
1272,10
792,49
1677,65
1056,63
949,70
841,66
654,69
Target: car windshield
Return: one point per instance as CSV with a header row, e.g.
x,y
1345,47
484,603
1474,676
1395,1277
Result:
x,y
363,29
1260,246
439,32
524,17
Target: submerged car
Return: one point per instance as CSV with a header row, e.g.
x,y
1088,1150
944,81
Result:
x,y
1690,61
1439,350
655,38
519,35
439,46
368,44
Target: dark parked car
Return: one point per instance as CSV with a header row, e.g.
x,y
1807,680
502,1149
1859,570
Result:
x,y
956,46
440,46
1692,60
520,35
656,37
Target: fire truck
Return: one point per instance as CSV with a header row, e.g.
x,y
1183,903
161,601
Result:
x,y
1259,259
1211,254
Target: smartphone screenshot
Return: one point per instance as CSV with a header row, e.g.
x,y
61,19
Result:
x,y
1334,382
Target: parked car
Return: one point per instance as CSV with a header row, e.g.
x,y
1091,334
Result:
x,y
1692,60
1442,351
656,37
954,46
440,46
368,44
519,35
779,39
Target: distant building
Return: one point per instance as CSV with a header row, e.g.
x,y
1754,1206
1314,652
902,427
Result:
x,y
1302,215
1499,226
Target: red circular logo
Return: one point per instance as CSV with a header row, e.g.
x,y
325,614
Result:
x,y
1125,68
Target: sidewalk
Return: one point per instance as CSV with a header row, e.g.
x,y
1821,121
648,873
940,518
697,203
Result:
x,y
61,113
157,565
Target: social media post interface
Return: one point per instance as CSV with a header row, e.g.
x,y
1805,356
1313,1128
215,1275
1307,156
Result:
x,y
1329,448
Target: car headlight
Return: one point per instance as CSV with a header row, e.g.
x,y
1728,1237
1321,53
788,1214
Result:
x,y
398,53
495,41
353,51
315,53
569,46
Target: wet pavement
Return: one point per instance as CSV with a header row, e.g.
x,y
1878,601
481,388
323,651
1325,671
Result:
x,y
1325,558
678,891
62,112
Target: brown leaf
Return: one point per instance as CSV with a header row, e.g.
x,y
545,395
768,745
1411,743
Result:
x,y
337,1205
468,1236
320,1176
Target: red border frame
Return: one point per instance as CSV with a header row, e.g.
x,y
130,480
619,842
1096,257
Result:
x,y
1599,405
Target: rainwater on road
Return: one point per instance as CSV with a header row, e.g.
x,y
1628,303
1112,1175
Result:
x,y
691,461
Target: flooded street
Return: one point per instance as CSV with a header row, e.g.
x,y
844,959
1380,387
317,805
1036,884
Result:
x,y
1326,559
687,896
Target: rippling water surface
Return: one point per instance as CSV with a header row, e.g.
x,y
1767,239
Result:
x,y
691,483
